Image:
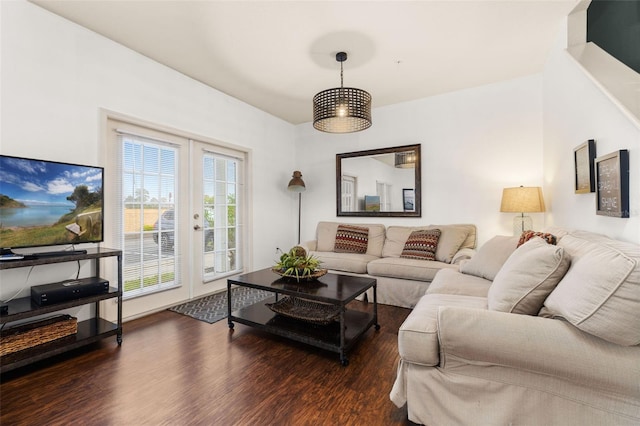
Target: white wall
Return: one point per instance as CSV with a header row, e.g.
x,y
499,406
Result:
x,y
474,142
575,110
56,78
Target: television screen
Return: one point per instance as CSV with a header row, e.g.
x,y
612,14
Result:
x,y
47,203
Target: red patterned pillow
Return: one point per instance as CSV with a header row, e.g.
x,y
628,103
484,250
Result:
x,y
527,235
421,244
351,239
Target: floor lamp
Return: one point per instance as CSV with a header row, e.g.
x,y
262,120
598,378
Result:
x,y
296,184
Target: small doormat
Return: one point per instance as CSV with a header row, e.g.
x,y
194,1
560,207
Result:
x,y
213,308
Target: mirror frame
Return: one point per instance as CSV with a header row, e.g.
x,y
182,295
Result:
x,y
417,181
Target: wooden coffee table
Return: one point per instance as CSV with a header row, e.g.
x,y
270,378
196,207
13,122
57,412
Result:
x,y
331,293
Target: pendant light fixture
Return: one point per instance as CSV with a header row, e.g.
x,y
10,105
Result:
x,y
342,109
405,160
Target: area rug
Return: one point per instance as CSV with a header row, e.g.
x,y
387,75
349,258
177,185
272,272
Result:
x,y
213,308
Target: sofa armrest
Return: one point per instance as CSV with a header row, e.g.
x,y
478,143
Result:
x,y
462,254
535,344
310,245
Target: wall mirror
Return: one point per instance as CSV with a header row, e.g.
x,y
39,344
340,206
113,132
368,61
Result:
x,y
379,182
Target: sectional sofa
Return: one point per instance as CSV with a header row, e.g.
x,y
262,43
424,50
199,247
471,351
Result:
x,y
539,334
377,251
526,330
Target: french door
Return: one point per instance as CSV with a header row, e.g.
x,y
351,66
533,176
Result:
x,y
179,205
217,197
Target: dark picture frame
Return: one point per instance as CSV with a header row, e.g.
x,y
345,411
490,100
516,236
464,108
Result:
x,y
583,160
612,184
409,199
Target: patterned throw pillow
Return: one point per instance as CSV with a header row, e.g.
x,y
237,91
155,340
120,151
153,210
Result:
x,y
351,239
527,235
421,245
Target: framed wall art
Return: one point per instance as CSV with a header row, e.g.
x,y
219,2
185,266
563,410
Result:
x,y
612,184
372,203
583,161
409,200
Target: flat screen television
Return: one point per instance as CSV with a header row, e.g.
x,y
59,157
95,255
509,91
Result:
x,y
48,203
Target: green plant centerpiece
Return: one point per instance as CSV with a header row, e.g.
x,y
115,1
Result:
x,y
297,264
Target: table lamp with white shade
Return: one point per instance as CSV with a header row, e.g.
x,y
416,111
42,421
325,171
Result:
x,y
522,199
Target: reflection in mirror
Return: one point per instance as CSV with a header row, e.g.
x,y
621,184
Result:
x,y
379,182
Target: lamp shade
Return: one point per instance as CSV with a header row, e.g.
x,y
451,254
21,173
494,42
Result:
x,y
342,109
296,184
405,160
522,199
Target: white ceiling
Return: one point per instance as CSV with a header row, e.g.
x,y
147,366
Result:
x,y
275,55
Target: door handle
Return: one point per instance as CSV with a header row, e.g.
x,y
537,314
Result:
x,y
197,227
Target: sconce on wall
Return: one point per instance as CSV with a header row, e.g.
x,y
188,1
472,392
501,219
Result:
x,y
342,109
522,199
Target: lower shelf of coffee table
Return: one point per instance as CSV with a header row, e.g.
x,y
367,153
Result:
x,y
323,336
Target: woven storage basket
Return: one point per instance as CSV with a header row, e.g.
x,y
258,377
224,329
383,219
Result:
x,y
305,310
25,336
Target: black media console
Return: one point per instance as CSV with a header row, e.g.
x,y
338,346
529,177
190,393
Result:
x,y
89,331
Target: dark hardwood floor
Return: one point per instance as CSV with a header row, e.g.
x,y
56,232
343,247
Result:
x,y
175,370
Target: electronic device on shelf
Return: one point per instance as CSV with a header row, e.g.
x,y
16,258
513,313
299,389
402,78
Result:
x,y
49,294
48,203
44,254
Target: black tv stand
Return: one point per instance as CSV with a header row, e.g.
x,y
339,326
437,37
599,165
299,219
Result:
x,y
89,330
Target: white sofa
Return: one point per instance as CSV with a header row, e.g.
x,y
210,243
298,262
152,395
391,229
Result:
x,y
538,335
401,281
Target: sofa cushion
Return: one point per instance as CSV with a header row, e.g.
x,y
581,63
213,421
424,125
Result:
x,y
527,235
418,334
600,293
452,238
351,239
421,245
490,257
450,281
395,239
410,269
527,277
326,237
346,262
470,241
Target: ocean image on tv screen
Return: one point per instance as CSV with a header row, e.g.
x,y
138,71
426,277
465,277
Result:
x,y
44,203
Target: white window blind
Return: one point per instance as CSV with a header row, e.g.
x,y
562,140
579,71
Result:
x,y
148,235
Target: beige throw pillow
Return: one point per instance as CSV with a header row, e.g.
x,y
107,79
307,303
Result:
x,y
527,277
600,294
451,238
490,257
